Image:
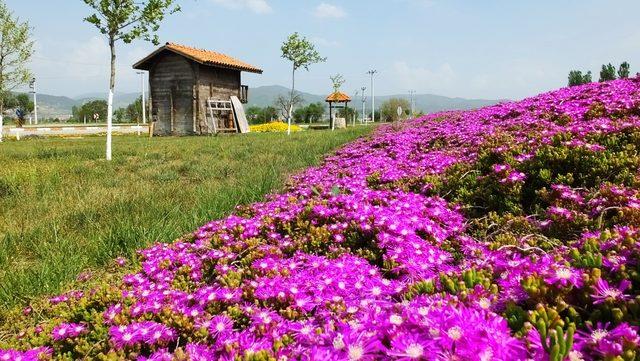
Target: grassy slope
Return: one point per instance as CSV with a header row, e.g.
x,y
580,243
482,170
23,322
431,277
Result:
x,y
63,209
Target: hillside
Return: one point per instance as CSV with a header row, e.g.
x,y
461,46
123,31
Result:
x,y
505,233
428,103
53,106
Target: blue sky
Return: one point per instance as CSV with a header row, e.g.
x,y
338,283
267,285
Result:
x,y
466,48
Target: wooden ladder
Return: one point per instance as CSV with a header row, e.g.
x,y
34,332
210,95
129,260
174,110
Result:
x,y
217,107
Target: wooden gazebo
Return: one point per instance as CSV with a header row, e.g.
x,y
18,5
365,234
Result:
x,y
339,98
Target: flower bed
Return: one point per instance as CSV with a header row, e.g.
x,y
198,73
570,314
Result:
x,y
506,233
273,127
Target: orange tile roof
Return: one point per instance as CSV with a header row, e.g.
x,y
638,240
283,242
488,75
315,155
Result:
x,y
338,97
205,57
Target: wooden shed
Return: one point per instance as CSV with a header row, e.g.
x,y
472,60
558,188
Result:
x,y
194,91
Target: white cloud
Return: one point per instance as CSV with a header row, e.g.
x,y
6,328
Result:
x,y
440,79
257,6
76,67
325,42
324,11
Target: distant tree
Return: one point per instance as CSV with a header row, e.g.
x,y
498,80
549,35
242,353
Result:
x,y
126,20
259,115
577,78
350,114
120,115
24,107
16,48
337,81
90,109
624,70
302,53
253,113
269,114
134,111
312,113
389,109
285,105
607,73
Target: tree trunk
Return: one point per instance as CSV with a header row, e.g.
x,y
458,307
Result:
x,y
112,85
293,86
1,119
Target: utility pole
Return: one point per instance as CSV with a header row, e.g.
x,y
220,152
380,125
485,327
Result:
x,y
355,110
364,103
32,85
144,110
411,94
373,95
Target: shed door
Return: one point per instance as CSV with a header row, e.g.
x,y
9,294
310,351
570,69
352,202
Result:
x,y
181,108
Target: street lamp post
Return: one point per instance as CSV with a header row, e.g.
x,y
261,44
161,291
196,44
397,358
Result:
x,y
144,109
364,103
32,85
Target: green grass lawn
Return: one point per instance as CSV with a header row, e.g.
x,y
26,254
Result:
x,y
64,209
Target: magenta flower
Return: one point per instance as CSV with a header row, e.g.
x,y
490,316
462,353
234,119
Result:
x,y
146,332
604,292
605,342
564,276
221,325
407,347
68,330
36,354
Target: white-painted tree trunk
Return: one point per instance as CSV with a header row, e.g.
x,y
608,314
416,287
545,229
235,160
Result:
x,y
109,122
1,126
112,86
293,86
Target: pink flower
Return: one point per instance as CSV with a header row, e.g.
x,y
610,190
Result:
x,y
68,330
604,292
564,276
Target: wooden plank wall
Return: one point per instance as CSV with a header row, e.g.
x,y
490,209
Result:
x,y
216,83
171,83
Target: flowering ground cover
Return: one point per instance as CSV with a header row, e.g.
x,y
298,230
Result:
x,y
505,233
274,127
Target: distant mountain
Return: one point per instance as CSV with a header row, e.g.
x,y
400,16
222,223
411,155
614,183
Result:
x,y
428,103
120,100
52,106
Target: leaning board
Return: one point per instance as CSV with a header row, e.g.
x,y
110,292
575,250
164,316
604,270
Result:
x,y
241,117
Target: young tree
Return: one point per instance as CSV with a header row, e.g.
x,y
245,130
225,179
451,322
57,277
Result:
x,y
337,81
285,105
607,73
302,53
126,20
16,48
624,70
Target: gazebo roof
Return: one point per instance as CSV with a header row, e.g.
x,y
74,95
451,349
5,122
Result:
x,y
338,97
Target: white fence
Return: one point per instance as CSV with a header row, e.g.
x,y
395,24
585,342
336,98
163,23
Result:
x,y
67,131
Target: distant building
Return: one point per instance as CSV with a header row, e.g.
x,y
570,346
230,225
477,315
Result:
x,y
195,91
